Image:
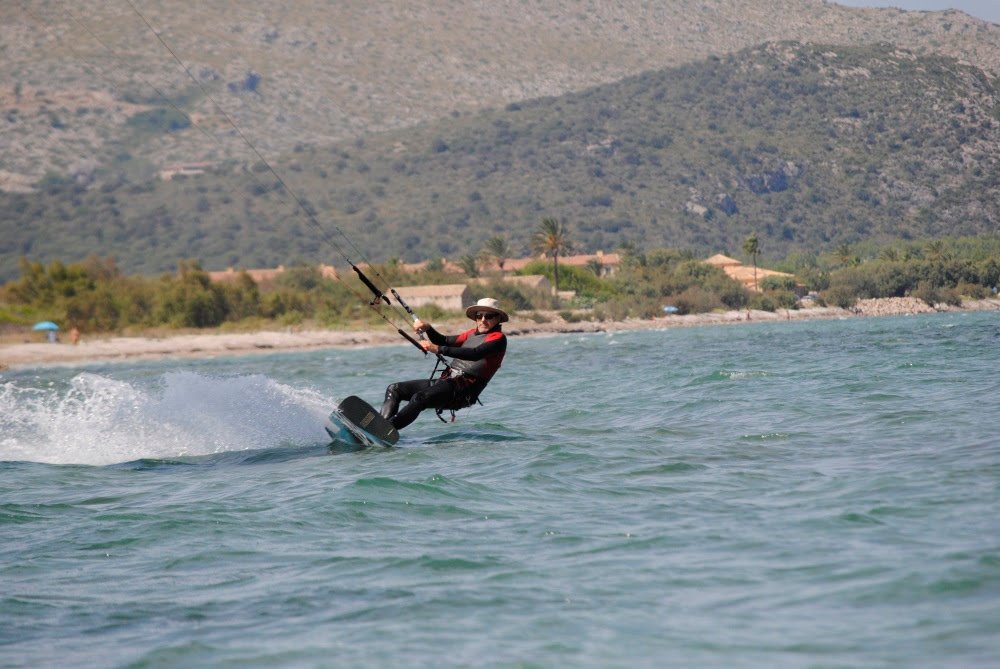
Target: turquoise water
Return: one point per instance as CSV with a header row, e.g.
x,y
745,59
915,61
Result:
x,y
804,494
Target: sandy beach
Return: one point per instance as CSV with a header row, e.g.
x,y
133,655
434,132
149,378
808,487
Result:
x,y
212,344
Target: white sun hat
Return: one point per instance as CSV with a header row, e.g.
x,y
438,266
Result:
x,y
487,304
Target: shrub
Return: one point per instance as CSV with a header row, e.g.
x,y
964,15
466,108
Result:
x,y
159,120
784,299
695,300
732,294
841,296
570,278
614,310
928,292
649,309
951,297
431,312
769,283
242,297
989,272
814,279
570,316
537,317
972,290
763,302
290,318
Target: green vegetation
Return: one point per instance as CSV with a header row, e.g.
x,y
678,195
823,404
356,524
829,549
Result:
x,y
940,270
552,239
96,297
496,250
649,281
811,146
751,247
159,121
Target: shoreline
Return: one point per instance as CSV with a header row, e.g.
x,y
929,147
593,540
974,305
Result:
x,y
213,344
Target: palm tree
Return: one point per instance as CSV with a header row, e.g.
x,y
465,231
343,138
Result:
x,y
752,247
470,265
844,254
552,239
935,250
497,249
631,256
889,254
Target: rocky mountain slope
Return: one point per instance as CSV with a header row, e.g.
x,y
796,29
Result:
x,y
811,146
313,72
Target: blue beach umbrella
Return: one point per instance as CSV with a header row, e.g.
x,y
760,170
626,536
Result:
x,y
45,325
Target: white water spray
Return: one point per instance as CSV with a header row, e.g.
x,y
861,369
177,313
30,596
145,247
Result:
x,y
96,420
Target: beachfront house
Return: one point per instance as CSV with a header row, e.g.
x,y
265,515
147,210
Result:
x,y
603,264
265,275
745,275
258,275
449,297
444,265
534,282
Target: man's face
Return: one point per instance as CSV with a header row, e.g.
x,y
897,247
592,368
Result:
x,y
486,320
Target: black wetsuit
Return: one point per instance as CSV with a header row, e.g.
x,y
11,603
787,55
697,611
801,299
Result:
x,y
477,357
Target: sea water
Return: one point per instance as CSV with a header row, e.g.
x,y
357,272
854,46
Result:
x,y
798,494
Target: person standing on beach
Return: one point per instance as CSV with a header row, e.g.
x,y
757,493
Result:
x,y
477,354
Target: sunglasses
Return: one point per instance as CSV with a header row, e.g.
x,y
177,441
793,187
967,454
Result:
x,y
486,317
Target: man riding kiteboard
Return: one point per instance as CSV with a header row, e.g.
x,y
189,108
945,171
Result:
x,y
477,355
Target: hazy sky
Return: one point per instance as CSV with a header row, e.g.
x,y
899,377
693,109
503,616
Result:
x,y
983,9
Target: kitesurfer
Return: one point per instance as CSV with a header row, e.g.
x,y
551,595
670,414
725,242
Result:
x,y
476,353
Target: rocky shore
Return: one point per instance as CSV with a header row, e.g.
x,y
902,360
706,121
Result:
x,y
96,349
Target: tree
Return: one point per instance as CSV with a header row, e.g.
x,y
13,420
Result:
x,y
497,249
191,299
470,265
752,247
889,254
552,239
631,256
935,250
843,253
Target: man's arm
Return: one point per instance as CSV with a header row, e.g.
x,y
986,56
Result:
x,y
437,338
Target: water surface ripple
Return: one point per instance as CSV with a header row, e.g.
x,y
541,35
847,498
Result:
x,y
807,494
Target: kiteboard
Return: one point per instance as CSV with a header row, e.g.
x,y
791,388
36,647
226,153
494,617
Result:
x,y
354,421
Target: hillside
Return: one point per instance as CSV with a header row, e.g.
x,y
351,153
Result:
x,y
76,75
809,145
